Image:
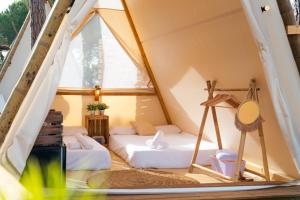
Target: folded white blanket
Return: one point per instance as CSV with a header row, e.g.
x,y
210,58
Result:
x,y
157,142
73,145
83,141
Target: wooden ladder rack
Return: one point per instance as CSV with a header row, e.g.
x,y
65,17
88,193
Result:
x,y
211,88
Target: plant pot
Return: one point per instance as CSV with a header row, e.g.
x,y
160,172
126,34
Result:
x,y
101,112
92,112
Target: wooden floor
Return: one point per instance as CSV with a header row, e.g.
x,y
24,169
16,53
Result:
x,y
77,179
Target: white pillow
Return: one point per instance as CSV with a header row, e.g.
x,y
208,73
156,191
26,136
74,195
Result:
x,y
2,103
169,129
74,130
122,130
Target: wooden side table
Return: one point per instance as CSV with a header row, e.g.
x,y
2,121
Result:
x,y
98,125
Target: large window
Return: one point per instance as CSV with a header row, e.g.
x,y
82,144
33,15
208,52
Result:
x,y
95,57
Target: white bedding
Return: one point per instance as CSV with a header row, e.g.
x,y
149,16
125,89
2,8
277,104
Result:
x,y
133,149
87,159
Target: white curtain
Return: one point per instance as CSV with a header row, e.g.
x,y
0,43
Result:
x,y
29,119
280,69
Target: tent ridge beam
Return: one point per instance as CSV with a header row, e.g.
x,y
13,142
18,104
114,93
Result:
x,y
37,57
146,62
106,92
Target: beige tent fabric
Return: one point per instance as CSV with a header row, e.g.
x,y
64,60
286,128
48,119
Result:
x,y
284,81
117,22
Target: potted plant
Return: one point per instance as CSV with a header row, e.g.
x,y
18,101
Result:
x,y
102,107
92,108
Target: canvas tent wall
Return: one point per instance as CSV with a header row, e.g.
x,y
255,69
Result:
x,y
189,43
14,65
202,43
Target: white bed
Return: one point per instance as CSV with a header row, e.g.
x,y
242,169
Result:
x,y
87,159
178,154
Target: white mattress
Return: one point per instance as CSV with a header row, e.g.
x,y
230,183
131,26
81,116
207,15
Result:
x,y
179,153
87,159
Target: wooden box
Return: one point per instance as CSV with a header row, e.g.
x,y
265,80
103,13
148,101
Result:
x,y
51,131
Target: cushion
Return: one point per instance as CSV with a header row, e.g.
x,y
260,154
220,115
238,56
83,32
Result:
x,y
73,130
2,103
168,129
144,128
122,130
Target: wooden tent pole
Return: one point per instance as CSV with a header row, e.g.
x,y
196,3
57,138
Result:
x,y
211,87
217,129
146,62
240,156
37,57
14,47
264,152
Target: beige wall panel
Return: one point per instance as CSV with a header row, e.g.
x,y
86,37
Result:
x,y
194,43
123,109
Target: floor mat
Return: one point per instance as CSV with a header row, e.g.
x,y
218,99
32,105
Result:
x,y
132,178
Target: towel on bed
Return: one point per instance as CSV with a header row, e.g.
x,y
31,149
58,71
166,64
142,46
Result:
x,y
83,141
157,142
73,145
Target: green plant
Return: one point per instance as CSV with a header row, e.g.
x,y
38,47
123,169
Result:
x,y
92,107
46,184
102,106
12,19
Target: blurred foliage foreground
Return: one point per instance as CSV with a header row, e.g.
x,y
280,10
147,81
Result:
x,y
35,180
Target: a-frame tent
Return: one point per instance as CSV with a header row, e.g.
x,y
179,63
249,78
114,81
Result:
x,y
273,78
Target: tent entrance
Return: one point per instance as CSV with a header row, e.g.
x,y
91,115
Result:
x,y
16,121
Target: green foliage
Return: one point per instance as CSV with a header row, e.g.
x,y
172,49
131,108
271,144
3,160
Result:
x,y
102,106
3,40
35,184
91,107
15,14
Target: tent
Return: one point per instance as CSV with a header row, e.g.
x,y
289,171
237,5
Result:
x,y
16,58
195,41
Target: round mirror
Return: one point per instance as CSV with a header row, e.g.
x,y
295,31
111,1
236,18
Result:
x,y
248,112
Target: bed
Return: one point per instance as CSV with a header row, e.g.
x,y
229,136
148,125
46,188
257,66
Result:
x,y
178,154
96,158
